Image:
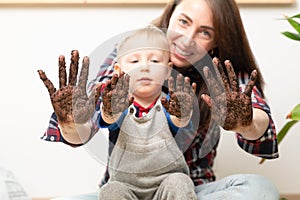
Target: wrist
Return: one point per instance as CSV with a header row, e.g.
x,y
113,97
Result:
x,y
109,118
181,121
75,133
257,127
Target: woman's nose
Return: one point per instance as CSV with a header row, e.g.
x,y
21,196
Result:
x,y
188,38
188,41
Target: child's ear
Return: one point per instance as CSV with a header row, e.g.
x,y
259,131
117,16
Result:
x,y
117,68
170,67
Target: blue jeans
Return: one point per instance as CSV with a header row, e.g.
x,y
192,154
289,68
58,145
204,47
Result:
x,y
235,187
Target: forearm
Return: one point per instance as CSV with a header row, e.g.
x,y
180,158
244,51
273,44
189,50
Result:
x,y
75,133
257,127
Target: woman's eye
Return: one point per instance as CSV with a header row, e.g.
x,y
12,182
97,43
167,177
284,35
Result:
x,y
205,34
183,21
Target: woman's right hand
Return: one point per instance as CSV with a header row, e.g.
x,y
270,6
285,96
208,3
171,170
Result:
x,y
71,103
231,107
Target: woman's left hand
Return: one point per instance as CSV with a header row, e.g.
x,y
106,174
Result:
x,y
231,108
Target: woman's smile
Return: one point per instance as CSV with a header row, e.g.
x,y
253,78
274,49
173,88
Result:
x,y
180,52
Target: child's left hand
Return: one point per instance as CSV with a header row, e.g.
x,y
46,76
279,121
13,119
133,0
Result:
x,y
115,95
181,97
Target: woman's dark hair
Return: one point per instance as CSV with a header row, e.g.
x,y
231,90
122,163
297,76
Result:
x,y
231,40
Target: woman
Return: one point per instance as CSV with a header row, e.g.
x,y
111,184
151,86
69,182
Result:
x,y
216,27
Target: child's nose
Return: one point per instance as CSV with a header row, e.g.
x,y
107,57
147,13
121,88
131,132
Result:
x,y
145,67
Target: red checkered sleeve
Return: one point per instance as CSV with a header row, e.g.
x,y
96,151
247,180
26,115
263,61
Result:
x,y
266,146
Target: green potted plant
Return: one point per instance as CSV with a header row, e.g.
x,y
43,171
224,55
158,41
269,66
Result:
x,y
295,25
294,116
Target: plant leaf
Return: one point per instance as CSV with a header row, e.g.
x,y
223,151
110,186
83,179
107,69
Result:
x,y
292,36
295,115
296,16
294,24
282,133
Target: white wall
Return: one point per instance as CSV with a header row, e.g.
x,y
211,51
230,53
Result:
x,y
32,38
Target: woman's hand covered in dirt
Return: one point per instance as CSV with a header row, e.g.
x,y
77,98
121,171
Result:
x,y
182,97
231,108
71,102
115,96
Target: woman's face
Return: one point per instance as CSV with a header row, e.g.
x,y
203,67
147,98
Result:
x,y
191,32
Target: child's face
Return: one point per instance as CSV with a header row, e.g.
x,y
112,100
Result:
x,y
148,68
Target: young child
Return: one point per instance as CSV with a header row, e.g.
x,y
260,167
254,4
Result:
x,y
145,161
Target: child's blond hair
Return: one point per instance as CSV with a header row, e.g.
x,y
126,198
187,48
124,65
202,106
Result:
x,y
149,37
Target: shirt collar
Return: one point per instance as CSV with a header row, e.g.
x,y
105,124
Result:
x,y
141,109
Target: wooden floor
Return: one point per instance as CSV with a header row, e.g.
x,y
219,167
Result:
x,y
290,196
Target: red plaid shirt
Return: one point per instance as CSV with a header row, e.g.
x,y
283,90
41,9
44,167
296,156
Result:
x,y
199,162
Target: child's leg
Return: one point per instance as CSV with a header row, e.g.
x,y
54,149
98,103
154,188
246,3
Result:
x,y
176,186
115,190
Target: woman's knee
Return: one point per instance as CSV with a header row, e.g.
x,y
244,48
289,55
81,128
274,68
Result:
x,y
239,186
258,184
264,182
